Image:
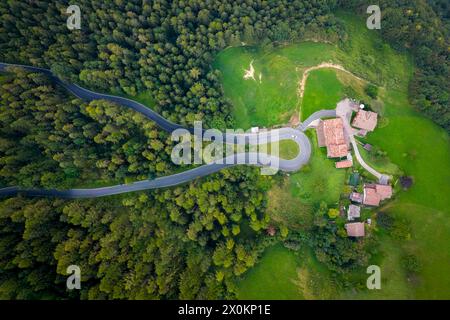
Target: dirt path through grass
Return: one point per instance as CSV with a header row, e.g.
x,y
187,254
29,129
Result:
x,y
302,82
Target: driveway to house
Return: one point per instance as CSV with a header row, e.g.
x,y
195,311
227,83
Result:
x,y
250,158
344,111
325,113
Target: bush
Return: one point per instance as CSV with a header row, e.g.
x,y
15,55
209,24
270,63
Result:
x,y
371,90
292,245
410,263
384,220
333,213
406,182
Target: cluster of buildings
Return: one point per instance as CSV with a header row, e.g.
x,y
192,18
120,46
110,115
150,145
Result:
x,y
331,133
372,195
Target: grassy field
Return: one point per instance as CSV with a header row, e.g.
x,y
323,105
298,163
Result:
x,y
263,101
322,91
273,278
287,149
319,180
285,208
413,144
273,99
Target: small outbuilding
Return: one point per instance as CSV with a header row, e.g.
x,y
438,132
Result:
x,y
356,197
355,229
354,179
366,120
344,164
353,212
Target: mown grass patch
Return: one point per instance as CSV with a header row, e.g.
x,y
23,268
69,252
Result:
x,y
287,149
322,91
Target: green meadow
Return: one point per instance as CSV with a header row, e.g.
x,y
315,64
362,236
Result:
x,y
322,91
273,278
319,180
413,144
273,98
261,101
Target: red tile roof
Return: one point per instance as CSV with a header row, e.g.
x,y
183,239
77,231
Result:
x,y
334,131
371,197
385,191
366,120
330,133
337,150
355,229
343,164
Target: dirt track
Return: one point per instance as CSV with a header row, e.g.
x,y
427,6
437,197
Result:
x,y
302,83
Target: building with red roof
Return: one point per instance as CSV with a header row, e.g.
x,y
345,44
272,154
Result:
x,y
365,120
371,197
330,134
355,229
344,164
374,193
385,191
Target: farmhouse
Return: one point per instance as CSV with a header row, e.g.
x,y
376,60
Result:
x,y
374,193
330,134
365,120
355,229
371,197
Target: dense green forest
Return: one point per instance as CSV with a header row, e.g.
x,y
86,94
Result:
x,y
186,242
183,242
165,47
61,141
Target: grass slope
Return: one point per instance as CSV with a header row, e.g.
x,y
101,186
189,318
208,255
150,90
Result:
x,y
322,91
319,180
273,277
274,99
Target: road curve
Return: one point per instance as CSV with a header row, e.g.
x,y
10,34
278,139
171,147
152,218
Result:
x,y
325,113
250,158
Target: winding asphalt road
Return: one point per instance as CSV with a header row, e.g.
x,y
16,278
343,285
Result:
x,y
250,158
